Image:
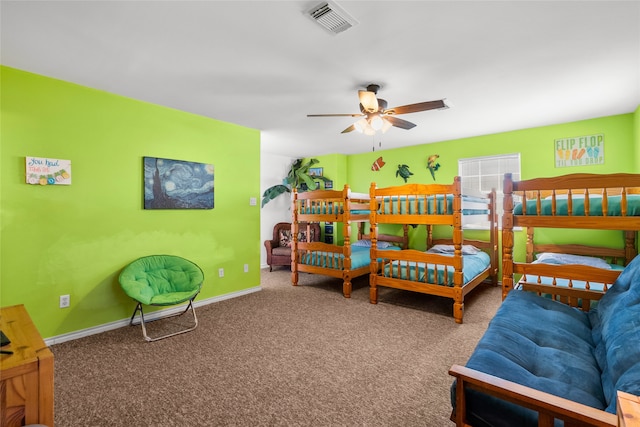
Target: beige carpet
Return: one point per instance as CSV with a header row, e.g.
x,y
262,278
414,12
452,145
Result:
x,y
284,356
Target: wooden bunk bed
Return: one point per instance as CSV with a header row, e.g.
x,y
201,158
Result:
x,y
345,261
574,201
505,367
452,275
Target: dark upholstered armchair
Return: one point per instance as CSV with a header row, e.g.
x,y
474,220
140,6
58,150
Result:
x,y
279,248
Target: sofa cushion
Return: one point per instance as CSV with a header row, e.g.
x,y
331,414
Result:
x,y
286,241
616,333
539,343
281,251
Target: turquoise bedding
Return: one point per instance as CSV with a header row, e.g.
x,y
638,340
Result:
x,y
331,210
471,267
360,257
595,206
407,205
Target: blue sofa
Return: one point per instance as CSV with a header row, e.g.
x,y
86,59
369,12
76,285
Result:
x,y
541,360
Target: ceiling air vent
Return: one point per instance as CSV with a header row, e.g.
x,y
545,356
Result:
x,y
332,17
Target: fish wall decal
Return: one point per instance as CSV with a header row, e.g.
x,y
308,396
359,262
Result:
x,y
378,164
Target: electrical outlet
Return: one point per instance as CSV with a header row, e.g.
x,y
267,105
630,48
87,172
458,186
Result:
x,y
246,268
252,201
221,272
65,301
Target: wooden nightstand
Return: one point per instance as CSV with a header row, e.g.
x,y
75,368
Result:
x,y
26,376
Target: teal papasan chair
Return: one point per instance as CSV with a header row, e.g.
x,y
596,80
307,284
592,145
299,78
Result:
x,y
162,280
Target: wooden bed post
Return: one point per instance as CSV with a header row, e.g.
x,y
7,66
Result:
x,y
294,238
529,244
373,230
629,246
346,246
458,277
507,236
493,238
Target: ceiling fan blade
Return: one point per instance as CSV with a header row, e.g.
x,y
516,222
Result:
x,y
334,115
349,129
399,123
414,108
368,100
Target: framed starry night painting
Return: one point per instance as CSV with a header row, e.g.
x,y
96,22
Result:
x,y
177,184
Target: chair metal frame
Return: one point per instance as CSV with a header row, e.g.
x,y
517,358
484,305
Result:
x,y
144,329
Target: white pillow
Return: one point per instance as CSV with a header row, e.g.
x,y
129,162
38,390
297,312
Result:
x,y
449,249
553,258
366,243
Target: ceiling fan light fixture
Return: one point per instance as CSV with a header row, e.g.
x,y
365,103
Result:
x,y
376,122
361,125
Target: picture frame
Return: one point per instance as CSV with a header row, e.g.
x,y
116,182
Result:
x,y
328,239
328,229
177,184
328,185
315,171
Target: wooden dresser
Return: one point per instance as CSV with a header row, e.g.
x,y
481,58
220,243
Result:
x,y
26,376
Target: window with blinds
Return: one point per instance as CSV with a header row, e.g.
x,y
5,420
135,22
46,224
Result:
x,y
481,174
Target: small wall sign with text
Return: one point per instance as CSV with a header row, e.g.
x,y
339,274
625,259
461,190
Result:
x,y
579,151
44,171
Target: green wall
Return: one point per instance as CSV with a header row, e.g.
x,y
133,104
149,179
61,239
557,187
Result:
x,y
636,137
536,148
75,239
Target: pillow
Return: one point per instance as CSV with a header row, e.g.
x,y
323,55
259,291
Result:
x,y
302,236
366,243
285,238
553,258
449,249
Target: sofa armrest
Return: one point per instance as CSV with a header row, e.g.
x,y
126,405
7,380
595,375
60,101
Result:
x,y
548,406
270,244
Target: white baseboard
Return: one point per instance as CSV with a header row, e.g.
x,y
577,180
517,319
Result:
x,y
148,317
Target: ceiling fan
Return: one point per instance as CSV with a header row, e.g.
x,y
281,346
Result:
x,y
376,116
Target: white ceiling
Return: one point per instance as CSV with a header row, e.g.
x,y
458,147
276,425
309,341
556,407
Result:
x,y
504,65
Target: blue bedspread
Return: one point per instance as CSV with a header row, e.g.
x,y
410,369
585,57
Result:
x,y
472,266
360,257
614,204
418,205
576,284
